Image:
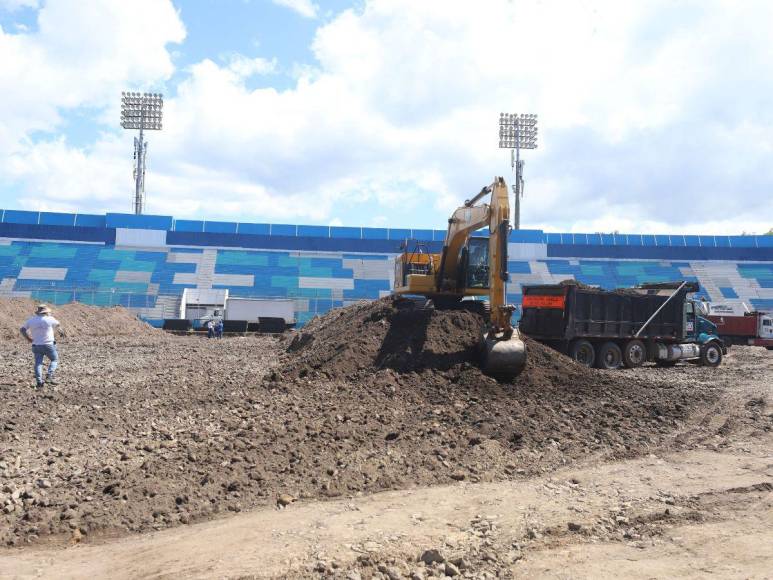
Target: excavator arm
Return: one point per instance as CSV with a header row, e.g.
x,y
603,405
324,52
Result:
x,y
503,350
499,231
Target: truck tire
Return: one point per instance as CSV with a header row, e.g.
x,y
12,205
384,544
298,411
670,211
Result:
x,y
583,352
609,356
711,355
634,353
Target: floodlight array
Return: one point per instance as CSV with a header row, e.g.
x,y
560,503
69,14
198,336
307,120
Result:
x,y
517,131
142,110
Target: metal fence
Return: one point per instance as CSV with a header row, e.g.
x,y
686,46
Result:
x,y
102,297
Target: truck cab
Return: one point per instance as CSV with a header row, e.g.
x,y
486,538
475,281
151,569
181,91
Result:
x,y
766,327
697,328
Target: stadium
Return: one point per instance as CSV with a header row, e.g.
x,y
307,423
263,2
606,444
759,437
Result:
x,y
386,289
145,262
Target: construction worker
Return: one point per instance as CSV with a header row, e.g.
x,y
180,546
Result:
x,y
219,328
39,330
211,329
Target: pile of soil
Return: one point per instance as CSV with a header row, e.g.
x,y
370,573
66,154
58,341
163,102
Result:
x,y
148,432
353,343
77,320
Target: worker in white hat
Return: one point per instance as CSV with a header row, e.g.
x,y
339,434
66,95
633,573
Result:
x,y
39,330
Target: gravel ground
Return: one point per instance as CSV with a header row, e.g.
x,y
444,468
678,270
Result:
x,y
153,431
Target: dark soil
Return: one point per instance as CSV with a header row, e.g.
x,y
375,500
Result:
x,y
356,342
153,431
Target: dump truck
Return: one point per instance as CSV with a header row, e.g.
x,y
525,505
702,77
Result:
x,y
750,329
624,327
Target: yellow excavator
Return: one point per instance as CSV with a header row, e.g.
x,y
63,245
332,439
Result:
x,y
470,266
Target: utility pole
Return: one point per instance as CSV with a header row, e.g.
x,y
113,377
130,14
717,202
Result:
x,y
141,111
517,132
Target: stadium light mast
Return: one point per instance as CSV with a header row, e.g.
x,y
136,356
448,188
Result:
x,y
141,111
517,132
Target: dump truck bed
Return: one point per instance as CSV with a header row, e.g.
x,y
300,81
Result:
x,y
563,312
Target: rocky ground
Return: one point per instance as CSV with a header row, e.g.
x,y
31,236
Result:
x,y
150,431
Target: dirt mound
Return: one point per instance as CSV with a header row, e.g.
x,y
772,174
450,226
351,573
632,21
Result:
x,y
355,342
347,342
78,320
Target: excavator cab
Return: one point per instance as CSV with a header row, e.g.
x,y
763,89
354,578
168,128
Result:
x,y
471,266
475,267
416,271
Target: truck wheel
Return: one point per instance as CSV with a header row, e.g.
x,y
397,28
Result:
x,y
634,354
609,356
711,355
583,352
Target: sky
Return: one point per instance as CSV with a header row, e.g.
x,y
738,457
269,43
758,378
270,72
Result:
x,y
654,117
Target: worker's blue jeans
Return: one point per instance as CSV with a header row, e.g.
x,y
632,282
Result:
x,y
48,351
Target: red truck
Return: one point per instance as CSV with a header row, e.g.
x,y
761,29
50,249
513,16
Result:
x,y
751,329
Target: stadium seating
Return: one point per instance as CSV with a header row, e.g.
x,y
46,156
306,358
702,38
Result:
x,y
145,262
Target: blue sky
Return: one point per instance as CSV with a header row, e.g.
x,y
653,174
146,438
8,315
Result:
x,y
654,117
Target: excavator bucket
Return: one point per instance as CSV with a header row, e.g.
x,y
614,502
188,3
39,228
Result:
x,y
503,358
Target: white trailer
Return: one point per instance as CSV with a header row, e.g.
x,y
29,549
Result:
x,y
203,303
251,309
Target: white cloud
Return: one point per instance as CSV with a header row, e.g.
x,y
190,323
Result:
x,y
13,5
57,177
82,55
246,67
652,117
305,8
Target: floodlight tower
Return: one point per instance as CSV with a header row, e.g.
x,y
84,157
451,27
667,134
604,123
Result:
x,y
517,132
141,111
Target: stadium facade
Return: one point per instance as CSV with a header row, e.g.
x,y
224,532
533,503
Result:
x,y
145,262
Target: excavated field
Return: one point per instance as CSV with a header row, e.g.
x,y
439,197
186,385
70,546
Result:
x,y
147,431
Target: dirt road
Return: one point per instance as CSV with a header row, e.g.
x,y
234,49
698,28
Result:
x,y
687,514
